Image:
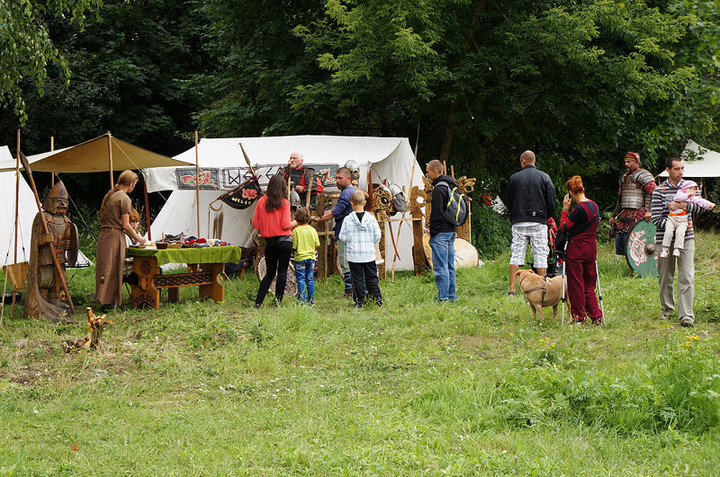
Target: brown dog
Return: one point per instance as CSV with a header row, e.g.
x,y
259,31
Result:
x,y
540,292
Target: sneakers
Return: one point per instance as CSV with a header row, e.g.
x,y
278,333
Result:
x,y
597,321
686,321
512,293
676,252
665,252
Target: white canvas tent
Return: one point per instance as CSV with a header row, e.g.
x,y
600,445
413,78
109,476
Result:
x,y
26,214
223,166
699,161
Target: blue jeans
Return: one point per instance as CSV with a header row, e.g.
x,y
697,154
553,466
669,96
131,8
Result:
x,y
443,258
304,276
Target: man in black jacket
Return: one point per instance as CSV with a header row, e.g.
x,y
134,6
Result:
x,y
442,232
531,201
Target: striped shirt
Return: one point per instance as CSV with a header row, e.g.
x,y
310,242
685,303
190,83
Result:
x,y
661,197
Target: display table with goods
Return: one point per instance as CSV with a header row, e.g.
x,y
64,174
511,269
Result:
x,y
204,267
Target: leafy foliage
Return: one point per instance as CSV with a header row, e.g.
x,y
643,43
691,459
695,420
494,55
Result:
x,y
27,47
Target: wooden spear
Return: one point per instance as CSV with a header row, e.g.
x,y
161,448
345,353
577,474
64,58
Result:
x,y
56,262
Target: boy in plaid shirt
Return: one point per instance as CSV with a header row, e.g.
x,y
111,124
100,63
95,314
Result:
x,y
360,231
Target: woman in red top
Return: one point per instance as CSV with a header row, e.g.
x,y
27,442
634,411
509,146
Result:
x,y
581,224
272,219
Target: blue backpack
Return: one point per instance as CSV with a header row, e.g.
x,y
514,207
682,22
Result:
x,y
456,211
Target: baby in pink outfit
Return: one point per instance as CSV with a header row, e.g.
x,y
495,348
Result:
x,y
677,219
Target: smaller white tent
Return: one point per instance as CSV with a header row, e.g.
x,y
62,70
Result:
x,y
699,161
26,214
223,167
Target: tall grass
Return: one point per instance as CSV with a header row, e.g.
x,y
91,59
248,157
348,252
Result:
x,y
415,387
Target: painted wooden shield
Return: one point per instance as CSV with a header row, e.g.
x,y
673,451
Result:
x,y
290,283
641,253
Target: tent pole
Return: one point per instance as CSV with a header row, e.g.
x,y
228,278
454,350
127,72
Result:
x,y
58,269
17,210
110,159
197,184
52,174
147,210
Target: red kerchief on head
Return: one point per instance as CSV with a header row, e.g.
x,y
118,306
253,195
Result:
x,y
633,155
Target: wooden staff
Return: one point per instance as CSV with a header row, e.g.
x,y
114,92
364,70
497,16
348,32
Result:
x,y
56,262
289,165
197,183
147,209
309,184
402,218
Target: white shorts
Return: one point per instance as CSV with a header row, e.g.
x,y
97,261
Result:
x,y
536,235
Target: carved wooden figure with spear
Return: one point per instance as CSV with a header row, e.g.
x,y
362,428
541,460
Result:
x,y
54,244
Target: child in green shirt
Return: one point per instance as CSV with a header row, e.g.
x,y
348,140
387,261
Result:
x,y
305,242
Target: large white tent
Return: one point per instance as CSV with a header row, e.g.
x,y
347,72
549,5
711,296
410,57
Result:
x,y
27,211
223,167
699,161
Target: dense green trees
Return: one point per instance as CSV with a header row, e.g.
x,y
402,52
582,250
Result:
x,y
579,82
130,69
26,46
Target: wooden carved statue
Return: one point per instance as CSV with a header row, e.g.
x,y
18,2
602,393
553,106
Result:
x,y
381,207
44,287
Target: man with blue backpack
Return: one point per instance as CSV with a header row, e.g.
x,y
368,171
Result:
x,y
448,210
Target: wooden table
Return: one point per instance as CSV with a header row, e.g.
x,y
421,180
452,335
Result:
x,y
204,268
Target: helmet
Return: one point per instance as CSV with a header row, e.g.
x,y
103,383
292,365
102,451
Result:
x,y
56,201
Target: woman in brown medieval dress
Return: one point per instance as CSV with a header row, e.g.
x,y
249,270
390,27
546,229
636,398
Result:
x,y
114,224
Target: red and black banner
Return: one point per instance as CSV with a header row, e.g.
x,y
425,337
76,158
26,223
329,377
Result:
x,y
244,195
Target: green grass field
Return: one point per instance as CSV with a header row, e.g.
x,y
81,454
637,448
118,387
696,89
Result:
x,y
472,388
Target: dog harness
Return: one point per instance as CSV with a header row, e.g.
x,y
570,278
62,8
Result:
x,y
543,287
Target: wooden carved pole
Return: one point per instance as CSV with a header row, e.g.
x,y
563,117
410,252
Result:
x,y
418,251
56,262
381,203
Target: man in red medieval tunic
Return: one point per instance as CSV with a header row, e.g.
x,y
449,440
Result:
x,y
634,196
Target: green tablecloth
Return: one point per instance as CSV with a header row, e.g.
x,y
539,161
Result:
x,y
227,254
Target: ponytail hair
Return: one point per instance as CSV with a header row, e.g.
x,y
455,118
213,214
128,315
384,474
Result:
x,y
126,178
574,185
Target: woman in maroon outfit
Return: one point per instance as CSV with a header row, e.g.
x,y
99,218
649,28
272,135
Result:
x,y
581,224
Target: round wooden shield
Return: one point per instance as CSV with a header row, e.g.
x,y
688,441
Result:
x,y
641,253
290,284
